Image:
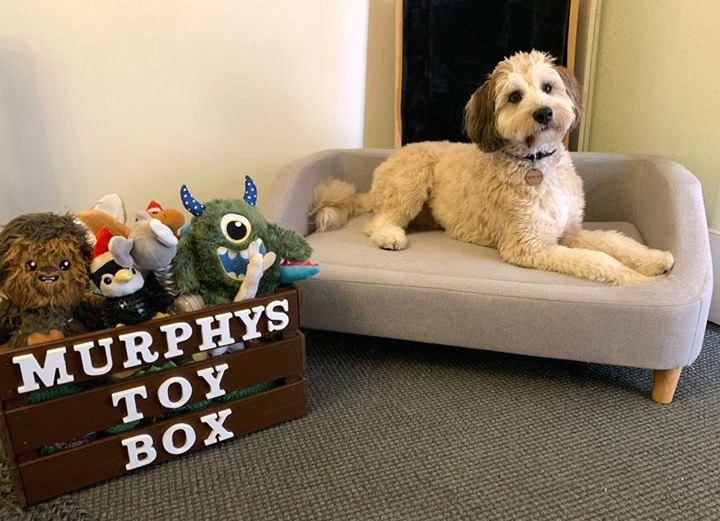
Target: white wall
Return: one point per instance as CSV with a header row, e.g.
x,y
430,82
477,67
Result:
x,y
138,97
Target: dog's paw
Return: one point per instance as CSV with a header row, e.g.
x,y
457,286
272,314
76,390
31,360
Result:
x,y
630,277
655,262
389,238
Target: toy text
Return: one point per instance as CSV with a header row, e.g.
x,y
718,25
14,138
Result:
x,y
138,346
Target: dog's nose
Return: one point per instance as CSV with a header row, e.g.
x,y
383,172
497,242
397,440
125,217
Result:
x,y
543,115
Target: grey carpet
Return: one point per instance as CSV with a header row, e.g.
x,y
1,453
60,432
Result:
x,y
399,430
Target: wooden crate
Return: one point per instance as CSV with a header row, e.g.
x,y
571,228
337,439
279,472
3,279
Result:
x,y
270,369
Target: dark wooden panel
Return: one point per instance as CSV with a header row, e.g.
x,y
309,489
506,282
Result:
x,y
97,461
278,356
11,378
34,426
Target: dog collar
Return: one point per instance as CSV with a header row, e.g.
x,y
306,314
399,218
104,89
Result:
x,y
533,176
537,156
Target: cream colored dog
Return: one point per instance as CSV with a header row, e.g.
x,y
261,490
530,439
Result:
x,y
514,188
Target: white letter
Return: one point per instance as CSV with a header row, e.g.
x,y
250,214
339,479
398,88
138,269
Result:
x,y
208,333
212,380
185,392
251,323
282,318
173,338
54,372
167,438
140,444
130,402
215,422
133,348
88,367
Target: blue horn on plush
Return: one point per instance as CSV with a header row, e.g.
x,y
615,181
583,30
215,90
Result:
x,y
250,196
191,204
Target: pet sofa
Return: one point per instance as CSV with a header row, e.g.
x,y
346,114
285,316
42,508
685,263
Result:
x,y
448,292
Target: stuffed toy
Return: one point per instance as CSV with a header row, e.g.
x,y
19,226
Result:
x,y
107,211
170,217
229,243
127,300
44,279
150,246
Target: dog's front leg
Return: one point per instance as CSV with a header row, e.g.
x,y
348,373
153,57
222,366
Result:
x,y
579,262
637,256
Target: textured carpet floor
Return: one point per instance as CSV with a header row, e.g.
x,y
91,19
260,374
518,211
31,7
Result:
x,y
399,430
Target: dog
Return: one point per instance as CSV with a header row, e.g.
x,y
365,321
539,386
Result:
x,y
513,188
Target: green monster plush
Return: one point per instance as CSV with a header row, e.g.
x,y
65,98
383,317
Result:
x,y
216,251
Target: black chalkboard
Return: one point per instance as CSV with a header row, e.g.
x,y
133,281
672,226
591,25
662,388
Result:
x,y
450,46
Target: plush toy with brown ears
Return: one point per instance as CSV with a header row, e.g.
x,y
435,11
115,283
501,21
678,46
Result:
x,y
44,279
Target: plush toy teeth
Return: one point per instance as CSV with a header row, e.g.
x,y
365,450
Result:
x,y
234,262
43,278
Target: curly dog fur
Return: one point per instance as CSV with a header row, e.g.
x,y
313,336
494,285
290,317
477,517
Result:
x,y
513,188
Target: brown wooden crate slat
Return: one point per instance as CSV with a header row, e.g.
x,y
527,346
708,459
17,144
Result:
x,y
10,377
34,426
82,466
276,357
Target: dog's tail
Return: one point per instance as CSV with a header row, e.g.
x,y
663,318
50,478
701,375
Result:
x,y
335,202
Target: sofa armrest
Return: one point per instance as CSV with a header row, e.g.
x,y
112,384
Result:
x,y
660,197
292,190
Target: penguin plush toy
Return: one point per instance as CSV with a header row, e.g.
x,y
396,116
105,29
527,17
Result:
x,y
127,301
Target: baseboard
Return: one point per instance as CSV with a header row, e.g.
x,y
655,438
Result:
x,y
714,315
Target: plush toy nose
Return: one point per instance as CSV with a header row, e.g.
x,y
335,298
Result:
x,y
123,276
543,115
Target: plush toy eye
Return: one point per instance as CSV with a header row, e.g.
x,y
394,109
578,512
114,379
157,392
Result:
x,y
236,228
547,88
30,265
515,97
64,265
107,280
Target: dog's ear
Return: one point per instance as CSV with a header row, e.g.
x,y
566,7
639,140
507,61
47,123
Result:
x,y
480,118
573,90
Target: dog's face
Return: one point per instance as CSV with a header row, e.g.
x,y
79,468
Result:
x,y
527,102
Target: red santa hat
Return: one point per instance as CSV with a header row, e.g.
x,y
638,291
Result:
x,y
101,254
153,208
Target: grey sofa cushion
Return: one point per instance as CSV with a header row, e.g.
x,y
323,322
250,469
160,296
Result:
x,y
448,292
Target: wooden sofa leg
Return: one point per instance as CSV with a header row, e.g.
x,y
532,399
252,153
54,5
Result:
x,y
664,383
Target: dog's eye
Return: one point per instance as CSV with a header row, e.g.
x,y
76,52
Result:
x,y
547,88
515,97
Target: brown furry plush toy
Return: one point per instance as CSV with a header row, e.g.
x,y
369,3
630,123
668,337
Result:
x,y
44,276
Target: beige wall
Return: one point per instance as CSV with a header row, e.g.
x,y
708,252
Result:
x,y
657,85
380,84
137,97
